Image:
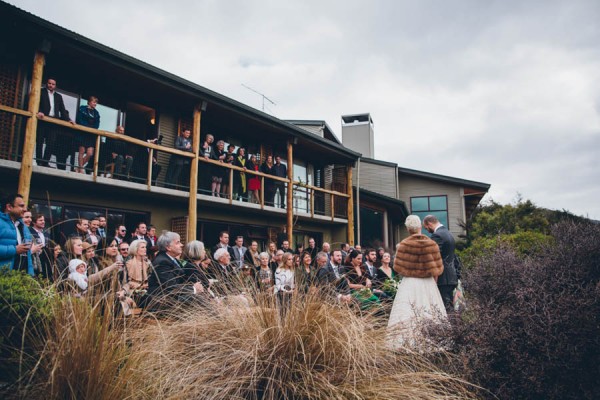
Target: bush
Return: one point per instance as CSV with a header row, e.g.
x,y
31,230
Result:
x,y
523,243
24,303
532,328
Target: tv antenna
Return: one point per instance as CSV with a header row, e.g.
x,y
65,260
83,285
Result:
x,y
262,95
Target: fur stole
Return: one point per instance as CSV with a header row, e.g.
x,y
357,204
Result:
x,y
418,256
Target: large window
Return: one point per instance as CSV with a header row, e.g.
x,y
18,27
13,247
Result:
x,y
434,205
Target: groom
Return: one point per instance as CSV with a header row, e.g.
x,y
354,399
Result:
x,y
448,280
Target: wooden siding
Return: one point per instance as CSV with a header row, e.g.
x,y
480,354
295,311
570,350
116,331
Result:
x,y
415,187
376,178
168,128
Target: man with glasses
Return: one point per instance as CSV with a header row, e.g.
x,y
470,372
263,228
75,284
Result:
x,y
124,250
120,233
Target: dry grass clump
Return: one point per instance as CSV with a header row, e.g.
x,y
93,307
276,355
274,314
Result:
x,y
80,354
315,350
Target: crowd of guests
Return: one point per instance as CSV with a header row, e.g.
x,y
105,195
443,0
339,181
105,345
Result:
x,y
150,270
123,158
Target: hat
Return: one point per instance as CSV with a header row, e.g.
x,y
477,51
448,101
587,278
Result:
x,y
74,263
86,245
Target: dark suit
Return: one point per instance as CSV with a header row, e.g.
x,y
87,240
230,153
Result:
x,y
50,133
280,170
326,277
448,280
168,278
225,276
146,239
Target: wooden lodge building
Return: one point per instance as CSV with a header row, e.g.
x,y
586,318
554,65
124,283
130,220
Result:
x,y
330,182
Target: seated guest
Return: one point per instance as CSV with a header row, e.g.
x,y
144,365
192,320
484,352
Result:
x,y
78,272
195,263
90,117
329,276
119,153
177,162
73,249
253,181
168,280
89,256
223,272
137,266
239,177
218,173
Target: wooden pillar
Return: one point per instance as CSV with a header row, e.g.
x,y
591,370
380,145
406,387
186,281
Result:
x,y
31,128
150,156
350,206
97,158
290,191
192,204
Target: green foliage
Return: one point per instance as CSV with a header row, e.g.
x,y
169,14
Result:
x,y
493,220
24,303
523,243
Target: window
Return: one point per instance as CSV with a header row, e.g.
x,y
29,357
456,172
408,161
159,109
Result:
x,y
434,205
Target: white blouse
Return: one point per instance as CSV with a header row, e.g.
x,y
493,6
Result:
x,y
283,277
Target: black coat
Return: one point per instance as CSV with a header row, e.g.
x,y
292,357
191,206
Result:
x,y
445,241
60,111
168,277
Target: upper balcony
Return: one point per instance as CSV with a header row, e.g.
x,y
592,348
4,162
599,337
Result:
x,y
151,104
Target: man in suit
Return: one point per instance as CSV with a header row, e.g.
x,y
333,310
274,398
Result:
x,y
39,234
370,258
312,250
223,272
448,280
141,234
168,277
239,251
223,244
51,105
329,275
279,170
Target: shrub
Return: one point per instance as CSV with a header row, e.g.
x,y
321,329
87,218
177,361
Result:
x,y
24,303
532,328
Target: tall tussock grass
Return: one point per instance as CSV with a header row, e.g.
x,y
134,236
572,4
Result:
x,y
311,348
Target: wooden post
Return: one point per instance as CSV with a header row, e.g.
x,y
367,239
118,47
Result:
x,y
230,185
290,191
150,156
96,157
332,199
31,128
350,206
312,201
192,204
262,192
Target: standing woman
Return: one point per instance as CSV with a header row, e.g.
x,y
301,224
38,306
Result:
x,y
252,256
264,276
218,154
239,178
254,181
90,117
418,299
306,273
267,168
284,281
386,278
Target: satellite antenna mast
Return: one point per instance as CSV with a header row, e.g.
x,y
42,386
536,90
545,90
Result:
x,y
262,95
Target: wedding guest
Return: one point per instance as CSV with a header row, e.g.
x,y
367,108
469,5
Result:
x,y
252,256
239,178
218,173
265,276
254,181
90,117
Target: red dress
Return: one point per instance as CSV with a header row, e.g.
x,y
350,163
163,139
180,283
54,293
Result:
x,y
254,182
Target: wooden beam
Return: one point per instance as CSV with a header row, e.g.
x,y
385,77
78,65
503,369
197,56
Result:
x,y
149,177
96,158
262,192
230,186
332,199
192,204
31,127
18,111
350,206
312,202
290,191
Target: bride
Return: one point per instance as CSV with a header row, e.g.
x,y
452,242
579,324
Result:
x,y
418,299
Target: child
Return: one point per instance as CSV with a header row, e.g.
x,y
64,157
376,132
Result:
x,y
77,273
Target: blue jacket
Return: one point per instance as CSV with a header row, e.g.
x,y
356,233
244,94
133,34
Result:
x,y
8,243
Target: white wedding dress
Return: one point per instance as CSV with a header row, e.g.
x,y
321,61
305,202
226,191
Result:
x,y
418,302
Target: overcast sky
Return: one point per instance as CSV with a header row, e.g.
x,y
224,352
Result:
x,y
502,92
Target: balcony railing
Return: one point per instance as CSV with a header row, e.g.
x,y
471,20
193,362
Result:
x,y
60,141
